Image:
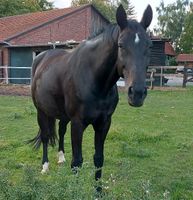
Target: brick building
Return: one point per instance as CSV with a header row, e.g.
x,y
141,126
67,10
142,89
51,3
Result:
x,y
24,36
185,60
161,52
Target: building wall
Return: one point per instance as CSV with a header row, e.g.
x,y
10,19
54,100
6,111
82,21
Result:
x,y
73,27
187,64
1,60
77,26
4,61
97,22
5,56
158,57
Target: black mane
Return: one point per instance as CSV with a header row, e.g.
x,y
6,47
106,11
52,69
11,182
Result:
x,y
111,31
108,33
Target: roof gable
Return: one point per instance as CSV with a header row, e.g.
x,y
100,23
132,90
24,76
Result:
x,y
169,50
16,25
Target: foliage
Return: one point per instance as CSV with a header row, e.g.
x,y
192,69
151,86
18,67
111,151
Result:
x,y
130,10
108,8
16,7
171,21
173,62
186,41
148,153
45,4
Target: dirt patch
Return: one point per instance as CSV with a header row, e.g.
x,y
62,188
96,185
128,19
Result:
x,y
165,88
169,88
25,90
15,90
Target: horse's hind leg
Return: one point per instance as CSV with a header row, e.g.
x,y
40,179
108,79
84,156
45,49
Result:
x,y
47,134
62,130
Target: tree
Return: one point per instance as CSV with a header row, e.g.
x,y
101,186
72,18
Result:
x,y
186,41
171,20
16,7
107,7
128,7
45,5
79,2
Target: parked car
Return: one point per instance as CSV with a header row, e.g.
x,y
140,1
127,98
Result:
x,y
180,70
190,71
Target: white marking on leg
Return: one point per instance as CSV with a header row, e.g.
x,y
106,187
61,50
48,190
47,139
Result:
x,y
136,38
61,158
45,168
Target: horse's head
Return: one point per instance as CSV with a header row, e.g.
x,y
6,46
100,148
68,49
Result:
x,y
133,54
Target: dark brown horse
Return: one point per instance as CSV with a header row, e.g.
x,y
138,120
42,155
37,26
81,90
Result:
x,y
80,87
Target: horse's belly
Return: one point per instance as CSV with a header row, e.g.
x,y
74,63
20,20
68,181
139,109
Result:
x,y
48,103
98,110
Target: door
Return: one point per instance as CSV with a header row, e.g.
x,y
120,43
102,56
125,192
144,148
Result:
x,y
21,58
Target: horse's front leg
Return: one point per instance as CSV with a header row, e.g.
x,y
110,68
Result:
x,y
101,128
77,129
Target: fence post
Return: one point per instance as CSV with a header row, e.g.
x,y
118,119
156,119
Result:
x,y
185,77
161,77
6,75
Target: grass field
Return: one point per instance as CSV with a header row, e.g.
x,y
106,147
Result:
x,y
148,153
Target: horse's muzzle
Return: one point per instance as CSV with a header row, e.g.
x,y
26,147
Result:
x,y
136,96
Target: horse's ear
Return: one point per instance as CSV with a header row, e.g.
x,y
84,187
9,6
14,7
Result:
x,y
121,17
147,17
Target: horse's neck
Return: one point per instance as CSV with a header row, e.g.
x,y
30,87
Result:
x,y
106,73
104,62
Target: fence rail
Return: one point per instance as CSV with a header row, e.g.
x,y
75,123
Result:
x,y
186,77
153,72
6,73
5,67
161,74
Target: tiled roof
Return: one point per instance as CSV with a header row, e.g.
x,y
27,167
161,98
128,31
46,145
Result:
x,y
184,58
169,49
13,25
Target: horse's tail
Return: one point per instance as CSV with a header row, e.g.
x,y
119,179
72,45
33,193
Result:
x,y
47,134
36,141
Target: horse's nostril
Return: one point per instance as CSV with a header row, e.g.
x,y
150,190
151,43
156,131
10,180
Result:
x,y
145,91
137,93
130,90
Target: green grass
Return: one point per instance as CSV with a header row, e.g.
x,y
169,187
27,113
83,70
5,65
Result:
x,y
148,153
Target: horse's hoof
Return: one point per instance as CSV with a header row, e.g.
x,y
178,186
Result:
x,y
61,162
45,168
61,158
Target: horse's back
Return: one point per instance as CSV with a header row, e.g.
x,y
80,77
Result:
x,y
46,55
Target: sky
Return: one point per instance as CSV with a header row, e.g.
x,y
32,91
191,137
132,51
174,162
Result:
x,y
139,5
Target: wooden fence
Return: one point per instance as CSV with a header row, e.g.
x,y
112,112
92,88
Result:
x,y
153,73
162,72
